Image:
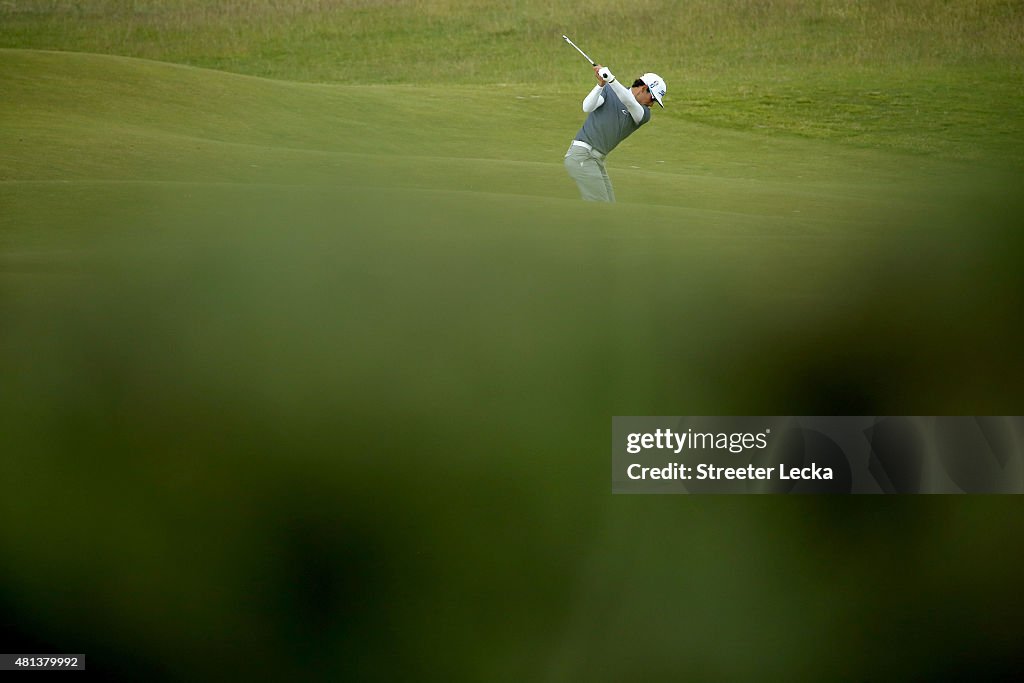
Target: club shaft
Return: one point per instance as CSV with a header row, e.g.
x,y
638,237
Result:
x,y
585,55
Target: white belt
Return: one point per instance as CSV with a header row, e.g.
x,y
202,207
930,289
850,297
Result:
x,y
580,143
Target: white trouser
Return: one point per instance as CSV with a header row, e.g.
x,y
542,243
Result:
x,y
586,167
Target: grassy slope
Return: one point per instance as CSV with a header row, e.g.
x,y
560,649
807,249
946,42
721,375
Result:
x,y
147,121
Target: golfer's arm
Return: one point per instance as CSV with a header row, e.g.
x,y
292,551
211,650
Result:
x,y
636,110
593,100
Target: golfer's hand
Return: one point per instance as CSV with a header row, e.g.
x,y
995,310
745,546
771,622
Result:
x,y
603,74
597,74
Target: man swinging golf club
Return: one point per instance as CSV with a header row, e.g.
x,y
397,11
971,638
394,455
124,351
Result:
x,y
614,112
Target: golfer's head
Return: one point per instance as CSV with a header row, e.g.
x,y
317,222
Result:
x,y
642,93
648,89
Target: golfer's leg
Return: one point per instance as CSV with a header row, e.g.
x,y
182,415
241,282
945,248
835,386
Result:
x,y
607,183
585,171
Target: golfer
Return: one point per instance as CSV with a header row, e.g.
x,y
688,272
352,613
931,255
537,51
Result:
x,y
613,113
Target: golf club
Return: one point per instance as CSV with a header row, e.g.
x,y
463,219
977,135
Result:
x,y
592,62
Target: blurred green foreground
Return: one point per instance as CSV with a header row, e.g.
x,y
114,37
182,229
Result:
x,y
315,434
315,382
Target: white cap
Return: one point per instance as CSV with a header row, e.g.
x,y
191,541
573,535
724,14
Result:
x,y
656,85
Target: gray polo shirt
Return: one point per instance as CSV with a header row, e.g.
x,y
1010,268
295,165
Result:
x,y
609,124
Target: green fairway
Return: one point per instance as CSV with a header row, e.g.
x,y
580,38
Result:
x,y
96,118
309,348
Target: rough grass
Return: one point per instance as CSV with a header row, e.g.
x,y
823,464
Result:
x,y
483,42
